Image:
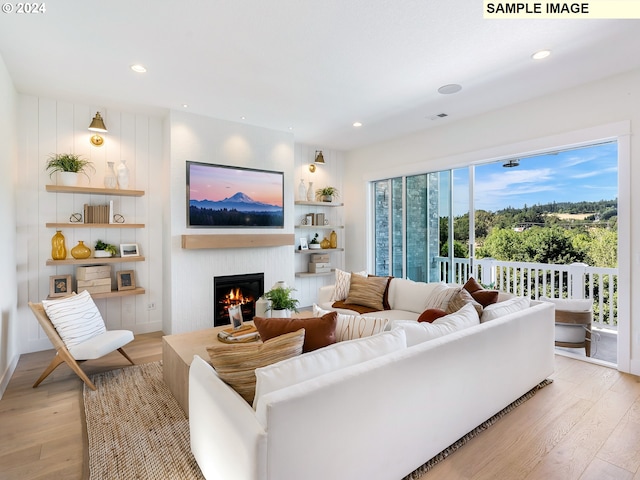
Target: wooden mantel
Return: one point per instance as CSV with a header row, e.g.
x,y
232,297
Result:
x,y
194,242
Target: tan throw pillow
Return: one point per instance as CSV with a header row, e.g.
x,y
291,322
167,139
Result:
x,y
367,291
236,364
343,279
460,299
319,331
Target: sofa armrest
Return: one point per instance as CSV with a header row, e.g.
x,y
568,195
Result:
x,y
325,293
227,440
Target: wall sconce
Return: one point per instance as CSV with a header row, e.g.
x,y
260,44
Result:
x,y
97,125
319,159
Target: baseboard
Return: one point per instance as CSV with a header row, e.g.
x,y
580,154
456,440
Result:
x,y
7,374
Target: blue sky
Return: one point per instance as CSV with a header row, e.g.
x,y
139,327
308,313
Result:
x,y
585,174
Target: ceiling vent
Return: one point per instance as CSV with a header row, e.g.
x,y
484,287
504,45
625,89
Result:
x,y
437,116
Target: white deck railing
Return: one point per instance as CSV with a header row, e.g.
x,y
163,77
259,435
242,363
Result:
x,y
534,280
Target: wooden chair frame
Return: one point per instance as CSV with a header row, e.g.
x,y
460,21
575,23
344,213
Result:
x,y
62,353
576,318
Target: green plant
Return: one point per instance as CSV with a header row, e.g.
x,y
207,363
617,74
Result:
x,y
281,299
68,162
314,239
327,192
100,245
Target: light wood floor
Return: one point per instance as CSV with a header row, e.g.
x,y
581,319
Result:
x,y
586,425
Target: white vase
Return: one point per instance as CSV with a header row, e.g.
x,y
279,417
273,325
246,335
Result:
x,y
68,179
280,313
123,175
310,192
110,180
302,191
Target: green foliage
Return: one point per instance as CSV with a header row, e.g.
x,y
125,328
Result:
x,y
281,299
327,191
100,245
459,250
68,162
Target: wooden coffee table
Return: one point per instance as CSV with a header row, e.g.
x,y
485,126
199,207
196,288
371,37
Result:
x,y
177,354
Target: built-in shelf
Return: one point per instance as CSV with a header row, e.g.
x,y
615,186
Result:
x,y
94,261
328,227
94,190
319,204
308,274
121,293
94,225
193,242
320,250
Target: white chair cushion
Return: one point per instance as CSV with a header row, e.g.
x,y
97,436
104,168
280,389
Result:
x,y
350,327
570,304
101,344
76,318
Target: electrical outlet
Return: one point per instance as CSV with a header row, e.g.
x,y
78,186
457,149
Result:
x,y
151,306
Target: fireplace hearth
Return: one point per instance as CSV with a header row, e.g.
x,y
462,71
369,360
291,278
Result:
x,y
230,290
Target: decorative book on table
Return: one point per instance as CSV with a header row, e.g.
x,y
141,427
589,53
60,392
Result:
x,y
246,333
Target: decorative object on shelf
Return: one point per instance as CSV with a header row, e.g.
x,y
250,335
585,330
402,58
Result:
x,y
281,303
110,179
302,190
326,221
59,286
80,251
58,247
314,244
75,218
126,280
117,218
97,125
303,243
123,175
310,192
319,220
326,194
68,165
129,250
309,219
262,307
325,243
104,250
333,239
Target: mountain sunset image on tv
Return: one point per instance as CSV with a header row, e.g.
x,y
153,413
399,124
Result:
x,y
222,196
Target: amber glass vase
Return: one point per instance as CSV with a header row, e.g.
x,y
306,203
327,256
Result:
x,y
80,251
58,247
333,239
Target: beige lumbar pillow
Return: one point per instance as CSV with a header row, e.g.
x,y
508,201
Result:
x,y
367,291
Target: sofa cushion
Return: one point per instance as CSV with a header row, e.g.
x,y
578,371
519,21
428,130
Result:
x,y
76,318
367,291
431,314
350,327
319,331
497,310
416,297
236,364
460,299
417,333
329,359
570,304
343,281
479,294
340,304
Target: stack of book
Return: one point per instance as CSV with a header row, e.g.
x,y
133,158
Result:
x,y
98,213
246,333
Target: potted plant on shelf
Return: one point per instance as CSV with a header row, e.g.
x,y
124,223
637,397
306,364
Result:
x,y
104,250
326,194
314,244
281,303
68,166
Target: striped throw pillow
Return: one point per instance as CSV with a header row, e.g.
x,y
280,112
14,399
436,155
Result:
x,y
367,291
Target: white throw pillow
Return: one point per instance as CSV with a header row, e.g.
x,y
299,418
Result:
x,y
419,332
343,282
570,304
325,360
414,296
76,318
350,327
500,309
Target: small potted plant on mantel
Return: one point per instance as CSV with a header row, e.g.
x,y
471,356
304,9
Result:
x,y
326,194
104,250
68,166
281,303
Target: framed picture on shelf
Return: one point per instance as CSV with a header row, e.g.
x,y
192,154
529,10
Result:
x,y
59,285
235,315
126,280
129,250
303,243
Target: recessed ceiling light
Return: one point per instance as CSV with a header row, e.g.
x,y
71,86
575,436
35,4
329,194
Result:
x,y
243,118
357,124
449,89
184,105
138,68
541,54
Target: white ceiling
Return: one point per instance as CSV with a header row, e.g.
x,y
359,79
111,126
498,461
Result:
x,y
314,66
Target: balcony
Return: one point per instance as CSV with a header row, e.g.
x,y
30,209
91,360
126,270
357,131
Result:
x,y
534,280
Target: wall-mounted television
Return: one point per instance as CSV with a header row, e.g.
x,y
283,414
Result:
x,y
223,196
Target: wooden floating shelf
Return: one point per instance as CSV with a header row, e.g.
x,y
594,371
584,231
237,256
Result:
x,y
94,190
309,274
319,204
194,242
94,225
320,250
94,261
121,293
320,226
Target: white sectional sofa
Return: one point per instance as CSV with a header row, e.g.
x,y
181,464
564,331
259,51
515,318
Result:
x,y
380,418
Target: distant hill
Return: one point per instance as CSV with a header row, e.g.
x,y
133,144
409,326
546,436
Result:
x,y
239,201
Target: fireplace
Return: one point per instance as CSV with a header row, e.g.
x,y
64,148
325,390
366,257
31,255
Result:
x,y
230,290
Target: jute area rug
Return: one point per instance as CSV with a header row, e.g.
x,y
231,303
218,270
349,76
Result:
x,y
137,430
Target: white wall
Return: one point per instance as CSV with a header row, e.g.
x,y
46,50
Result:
x,y
608,101
9,347
208,140
47,126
